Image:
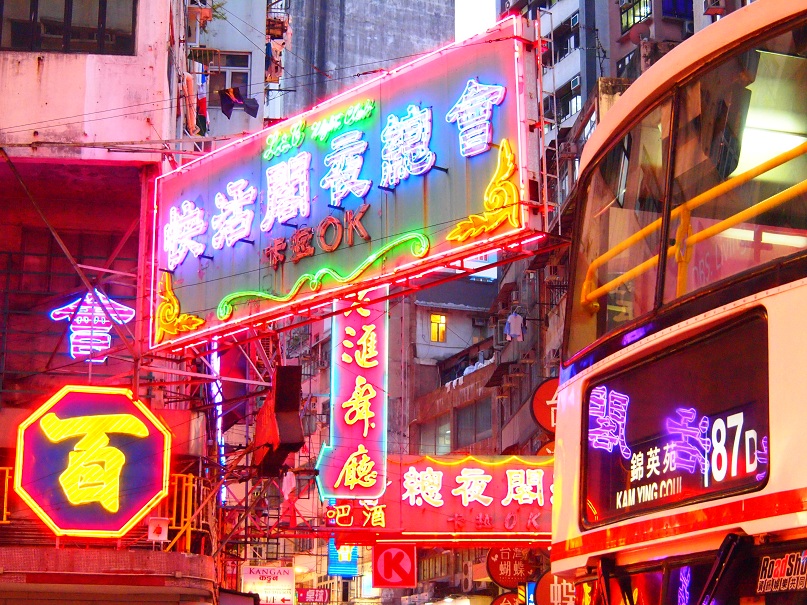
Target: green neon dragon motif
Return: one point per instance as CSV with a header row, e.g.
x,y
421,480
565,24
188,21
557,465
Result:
x,y
419,246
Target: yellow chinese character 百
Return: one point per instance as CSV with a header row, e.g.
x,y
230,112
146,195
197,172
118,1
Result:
x,y
93,469
358,406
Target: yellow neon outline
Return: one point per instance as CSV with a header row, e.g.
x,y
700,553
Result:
x,y
86,533
443,461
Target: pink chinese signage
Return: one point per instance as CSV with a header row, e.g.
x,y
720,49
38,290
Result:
x,y
453,499
354,464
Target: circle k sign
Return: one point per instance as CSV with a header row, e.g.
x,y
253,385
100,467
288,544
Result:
x,y
394,566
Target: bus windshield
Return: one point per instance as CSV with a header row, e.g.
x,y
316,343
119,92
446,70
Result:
x,y
729,166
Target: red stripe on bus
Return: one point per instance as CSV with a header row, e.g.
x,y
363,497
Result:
x,y
678,524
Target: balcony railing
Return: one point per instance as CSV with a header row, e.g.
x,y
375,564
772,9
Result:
x,y
188,525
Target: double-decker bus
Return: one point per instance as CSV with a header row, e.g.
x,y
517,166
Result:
x,y
681,440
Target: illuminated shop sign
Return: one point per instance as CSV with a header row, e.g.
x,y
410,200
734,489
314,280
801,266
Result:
x,y
780,573
91,318
473,498
273,584
354,464
686,426
420,168
343,561
92,461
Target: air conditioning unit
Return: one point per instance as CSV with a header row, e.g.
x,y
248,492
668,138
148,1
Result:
x,y
687,28
575,20
467,582
479,322
575,82
714,7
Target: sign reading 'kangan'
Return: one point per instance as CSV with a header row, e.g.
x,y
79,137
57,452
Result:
x,y
422,167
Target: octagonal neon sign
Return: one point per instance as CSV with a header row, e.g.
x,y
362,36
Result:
x,y
92,461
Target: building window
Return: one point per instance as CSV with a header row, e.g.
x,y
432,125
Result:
x,y
438,328
623,64
77,26
232,73
632,12
435,436
677,9
474,423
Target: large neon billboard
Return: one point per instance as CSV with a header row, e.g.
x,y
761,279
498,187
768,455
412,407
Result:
x,y
422,167
92,461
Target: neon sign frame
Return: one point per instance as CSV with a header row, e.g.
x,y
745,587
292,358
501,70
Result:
x,y
302,259
24,481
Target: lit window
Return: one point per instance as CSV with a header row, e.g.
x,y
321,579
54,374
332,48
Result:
x,y
438,324
80,26
233,73
634,11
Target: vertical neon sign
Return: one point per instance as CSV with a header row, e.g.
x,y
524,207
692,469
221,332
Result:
x,y
354,464
218,398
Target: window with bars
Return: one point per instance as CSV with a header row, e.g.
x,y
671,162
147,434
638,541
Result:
x,y
69,26
632,12
233,73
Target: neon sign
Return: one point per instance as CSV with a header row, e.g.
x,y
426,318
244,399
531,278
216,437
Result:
x,y
89,324
179,234
288,194
234,222
345,163
472,113
406,149
169,318
500,201
655,442
346,191
354,464
278,143
92,461
432,497
322,129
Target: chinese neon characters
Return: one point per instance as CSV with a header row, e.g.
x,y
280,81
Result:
x,y
93,468
90,325
472,113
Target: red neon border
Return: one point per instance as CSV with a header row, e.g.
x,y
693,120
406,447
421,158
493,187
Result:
x,y
522,236
31,501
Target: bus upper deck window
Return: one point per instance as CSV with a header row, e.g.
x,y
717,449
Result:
x,y
620,238
739,192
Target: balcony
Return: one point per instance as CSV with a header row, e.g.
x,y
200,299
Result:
x,y
192,525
